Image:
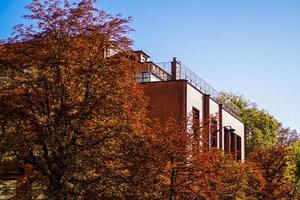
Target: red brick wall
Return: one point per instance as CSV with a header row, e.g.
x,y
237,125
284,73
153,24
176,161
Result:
x,y
166,99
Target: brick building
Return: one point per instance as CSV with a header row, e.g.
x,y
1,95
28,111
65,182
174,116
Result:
x,y
175,91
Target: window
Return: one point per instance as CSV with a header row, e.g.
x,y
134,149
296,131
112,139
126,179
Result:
x,y
239,148
196,125
143,77
213,133
233,144
226,141
196,119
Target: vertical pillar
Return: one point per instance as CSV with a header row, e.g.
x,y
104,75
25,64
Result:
x,y
235,152
244,150
206,120
175,69
220,127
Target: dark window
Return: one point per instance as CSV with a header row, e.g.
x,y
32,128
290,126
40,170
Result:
x,y
233,144
239,148
214,133
143,77
196,125
226,141
196,118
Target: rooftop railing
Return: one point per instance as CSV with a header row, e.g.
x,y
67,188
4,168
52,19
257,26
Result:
x,y
196,81
184,73
160,71
166,66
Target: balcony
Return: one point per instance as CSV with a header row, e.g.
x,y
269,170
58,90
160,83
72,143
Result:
x,y
152,72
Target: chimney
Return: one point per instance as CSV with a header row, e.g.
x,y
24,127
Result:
x,y
175,70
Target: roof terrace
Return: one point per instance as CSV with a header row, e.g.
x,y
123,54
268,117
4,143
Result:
x,y
178,71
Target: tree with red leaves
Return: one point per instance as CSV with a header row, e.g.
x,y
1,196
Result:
x,y
69,106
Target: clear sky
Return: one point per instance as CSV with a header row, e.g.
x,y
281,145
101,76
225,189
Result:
x,y
249,47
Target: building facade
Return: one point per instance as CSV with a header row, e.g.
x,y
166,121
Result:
x,y
174,91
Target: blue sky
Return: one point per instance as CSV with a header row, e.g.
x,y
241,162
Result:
x,y
247,47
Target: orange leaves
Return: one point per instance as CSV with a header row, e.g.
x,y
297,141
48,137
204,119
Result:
x,y
186,171
183,171
272,163
77,104
75,118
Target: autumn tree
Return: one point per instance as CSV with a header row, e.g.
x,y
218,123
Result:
x,y
272,149
186,169
263,129
273,164
70,109
171,144
297,168
72,116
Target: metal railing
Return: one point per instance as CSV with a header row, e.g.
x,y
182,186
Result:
x,y
196,81
161,71
231,107
206,88
166,66
185,73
